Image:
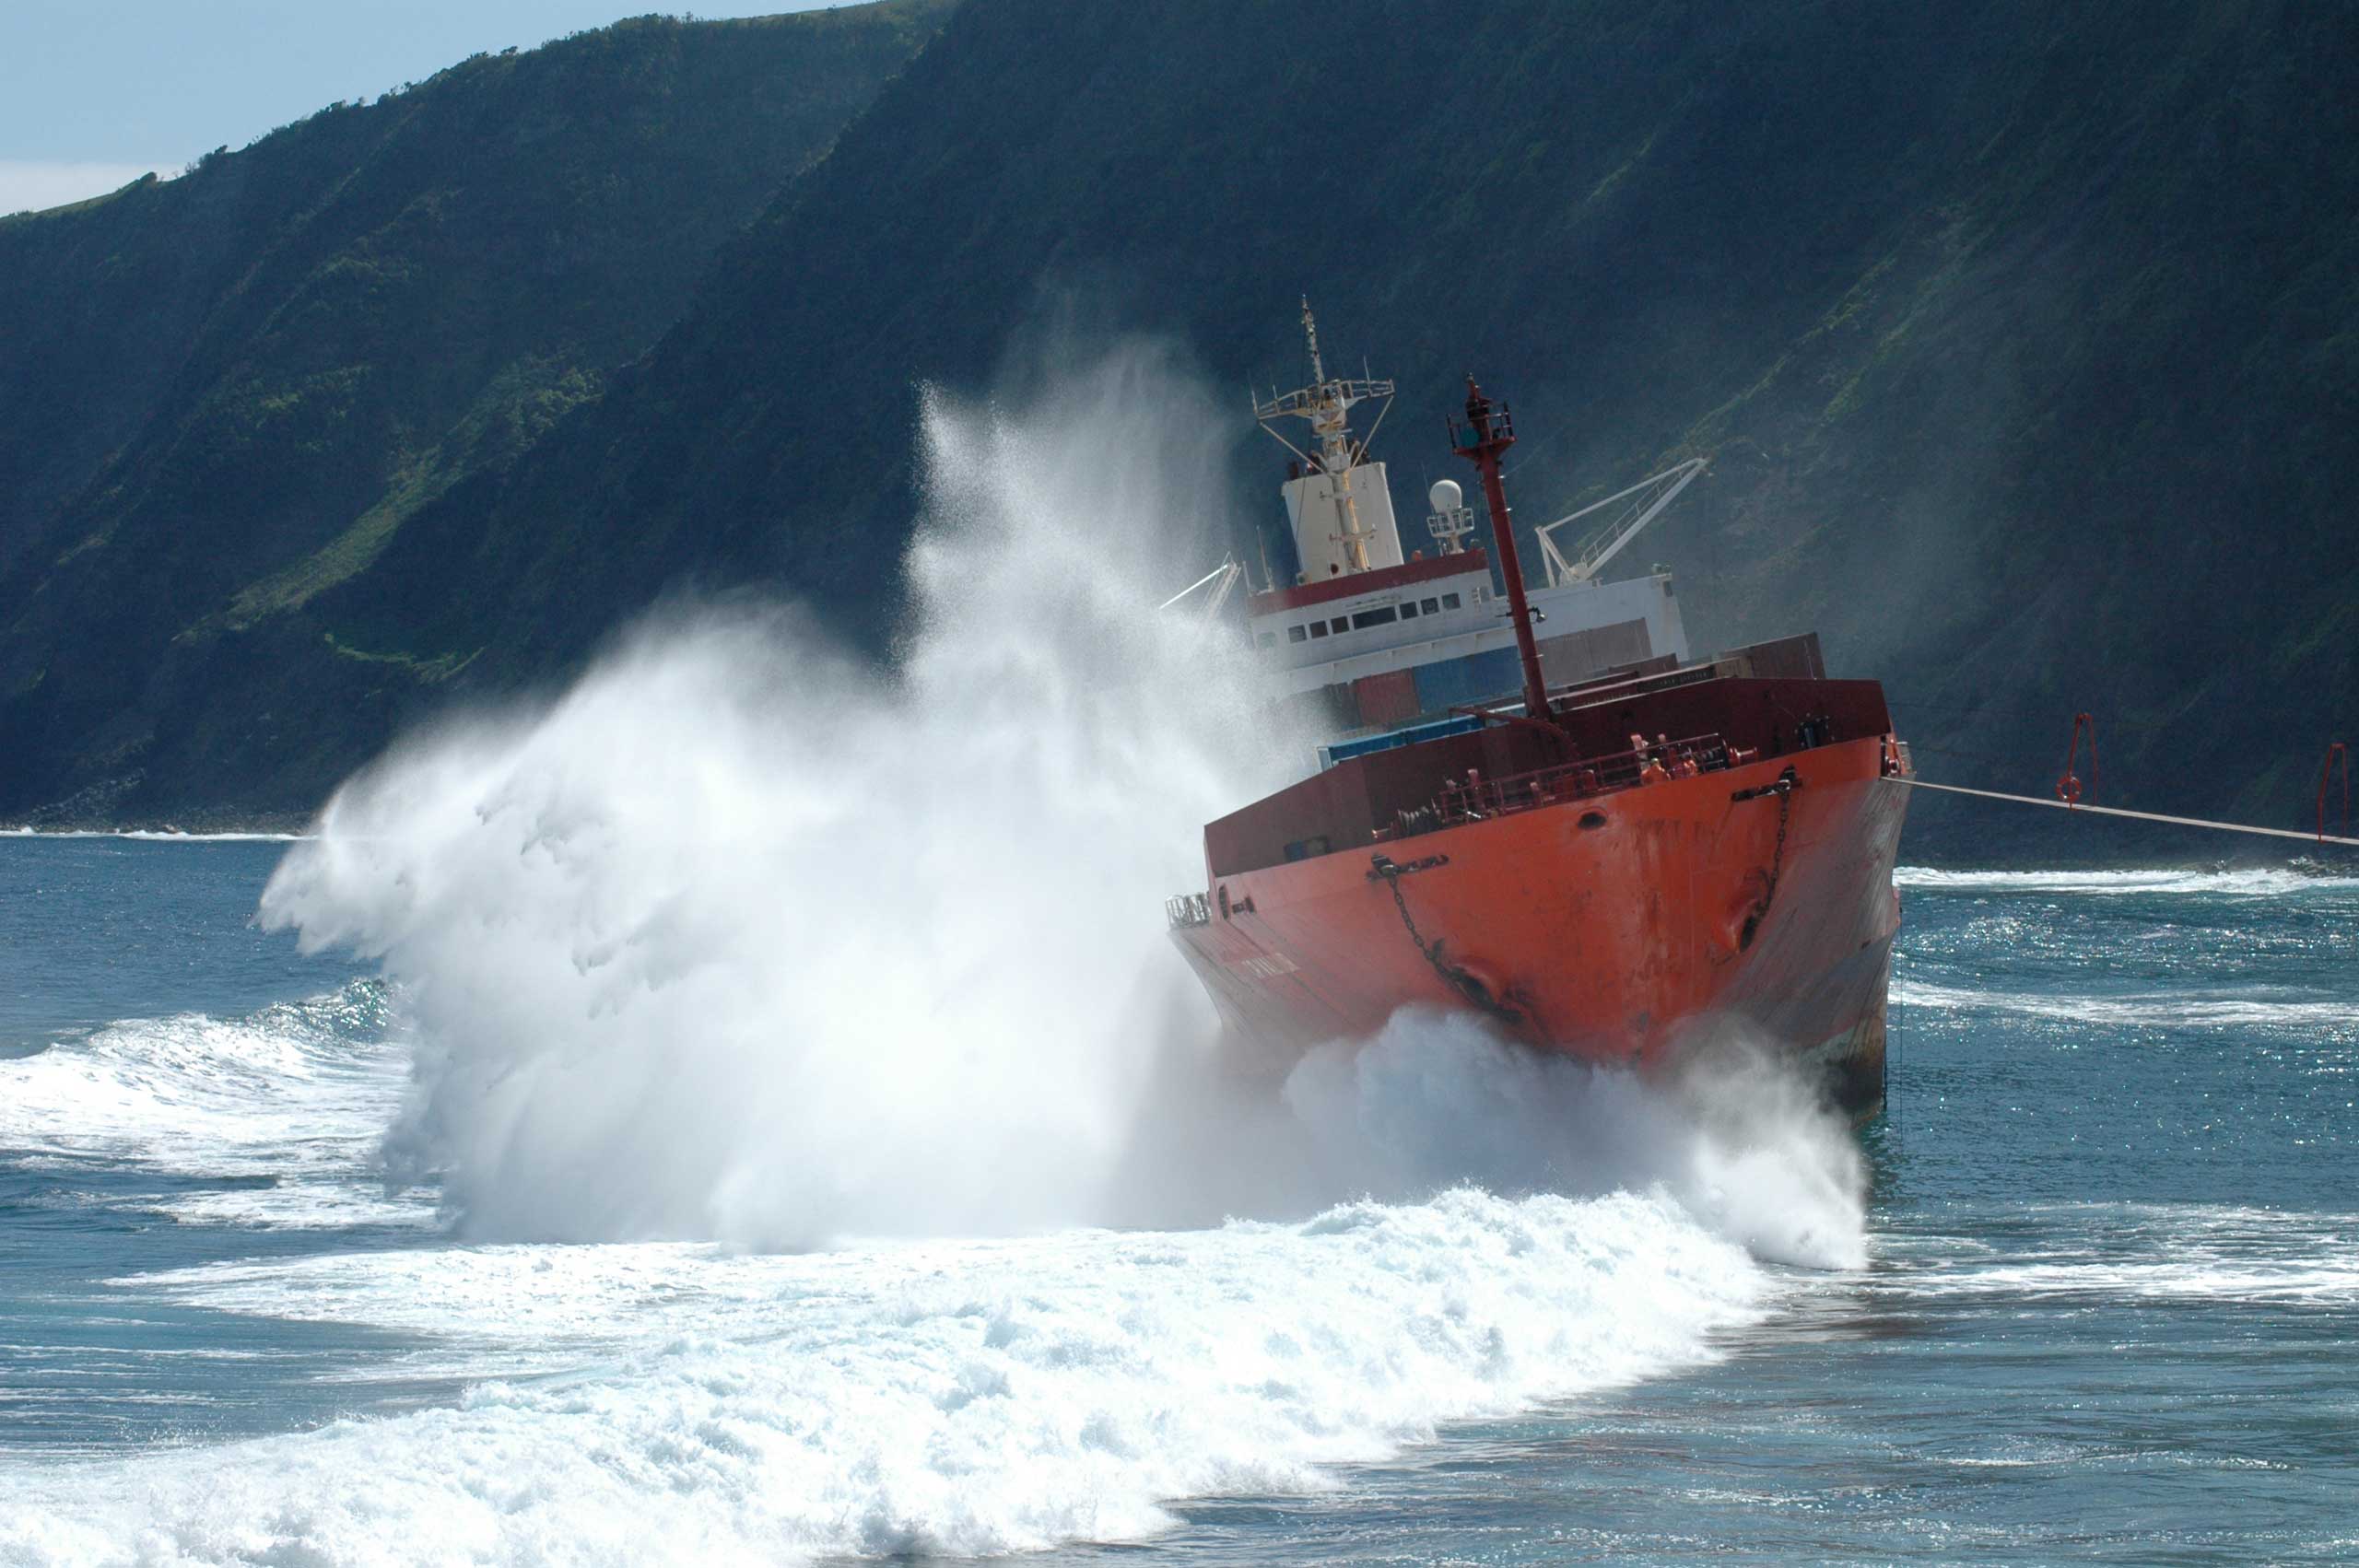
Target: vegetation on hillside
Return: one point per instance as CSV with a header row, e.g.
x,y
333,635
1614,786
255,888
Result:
x,y
2025,339
227,392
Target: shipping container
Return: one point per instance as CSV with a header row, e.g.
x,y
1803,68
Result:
x,y
1478,677
1387,699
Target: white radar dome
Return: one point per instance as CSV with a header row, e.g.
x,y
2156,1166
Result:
x,y
1445,494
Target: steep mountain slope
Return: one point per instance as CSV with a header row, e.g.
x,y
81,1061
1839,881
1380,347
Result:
x,y
2022,338
227,392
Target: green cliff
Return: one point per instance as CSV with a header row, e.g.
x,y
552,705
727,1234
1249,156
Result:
x,y
2022,339
227,392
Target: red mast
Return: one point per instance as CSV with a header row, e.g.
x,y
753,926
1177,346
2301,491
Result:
x,y
1492,432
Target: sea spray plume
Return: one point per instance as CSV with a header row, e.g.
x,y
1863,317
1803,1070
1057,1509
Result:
x,y
738,939
1737,1139
741,939
1767,1162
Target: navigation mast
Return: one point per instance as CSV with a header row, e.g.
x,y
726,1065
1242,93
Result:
x,y
1338,500
1490,430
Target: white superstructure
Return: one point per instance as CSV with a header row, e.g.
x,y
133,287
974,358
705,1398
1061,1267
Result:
x,y
1385,639
1401,625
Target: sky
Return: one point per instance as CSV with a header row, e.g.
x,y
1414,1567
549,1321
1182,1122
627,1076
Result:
x,y
94,93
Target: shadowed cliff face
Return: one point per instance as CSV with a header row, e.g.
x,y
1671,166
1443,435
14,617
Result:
x,y
2022,342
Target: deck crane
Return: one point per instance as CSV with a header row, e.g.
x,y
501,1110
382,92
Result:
x,y
1646,500
1221,579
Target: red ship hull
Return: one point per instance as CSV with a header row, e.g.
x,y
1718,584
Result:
x,y
1625,926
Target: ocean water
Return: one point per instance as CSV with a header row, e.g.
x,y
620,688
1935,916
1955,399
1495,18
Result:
x,y
2096,1300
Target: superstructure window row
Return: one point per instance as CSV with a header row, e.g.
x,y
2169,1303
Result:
x,y
1362,620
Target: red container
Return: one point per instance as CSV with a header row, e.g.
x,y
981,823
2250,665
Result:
x,y
1387,699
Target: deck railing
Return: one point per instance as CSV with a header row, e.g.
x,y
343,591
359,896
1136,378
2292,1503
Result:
x,y
1472,798
1185,909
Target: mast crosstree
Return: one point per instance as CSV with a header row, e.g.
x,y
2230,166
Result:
x,y
1342,516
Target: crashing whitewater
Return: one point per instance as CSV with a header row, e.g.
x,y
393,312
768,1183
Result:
x,y
828,1147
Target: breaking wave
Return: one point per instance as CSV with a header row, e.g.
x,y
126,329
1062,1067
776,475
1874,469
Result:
x,y
2259,882
152,835
740,976
293,1098
741,940
2160,1252
2319,1016
1744,1147
960,1398
964,1396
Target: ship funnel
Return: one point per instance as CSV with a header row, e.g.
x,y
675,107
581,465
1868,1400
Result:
x,y
1446,496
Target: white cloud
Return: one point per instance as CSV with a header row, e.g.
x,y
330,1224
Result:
x,y
31,186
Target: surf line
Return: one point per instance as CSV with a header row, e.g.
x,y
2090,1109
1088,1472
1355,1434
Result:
x,y
2141,816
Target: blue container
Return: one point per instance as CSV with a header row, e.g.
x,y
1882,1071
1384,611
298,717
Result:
x,y
1498,673
1442,686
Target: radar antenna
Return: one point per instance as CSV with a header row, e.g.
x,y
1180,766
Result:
x,y
1452,520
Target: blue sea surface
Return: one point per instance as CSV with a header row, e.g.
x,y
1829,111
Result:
x,y
2107,1312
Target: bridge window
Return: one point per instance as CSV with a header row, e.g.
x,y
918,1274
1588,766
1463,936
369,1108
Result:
x,y
1318,628
1339,626
1296,633
1433,606
1383,615
1450,601
1408,609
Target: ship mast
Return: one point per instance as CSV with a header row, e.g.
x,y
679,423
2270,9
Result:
x,y
1326,404
1490,431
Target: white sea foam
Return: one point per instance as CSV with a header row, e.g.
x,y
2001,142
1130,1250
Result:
x,y
2322,1017
737,942
1741,1144
988,1395
2161,1252
298,1093
1434,1103
2322,1281
945,1397
154,835
2257,881
740,941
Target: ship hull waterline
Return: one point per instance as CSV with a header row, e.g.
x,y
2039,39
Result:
x,y
1639,928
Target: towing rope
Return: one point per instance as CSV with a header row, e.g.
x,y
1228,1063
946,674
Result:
x,y
2321,838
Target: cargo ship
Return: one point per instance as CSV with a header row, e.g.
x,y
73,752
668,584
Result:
x,y
1534,804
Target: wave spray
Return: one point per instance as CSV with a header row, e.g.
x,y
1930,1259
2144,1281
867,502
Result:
x,y
863,976
743,939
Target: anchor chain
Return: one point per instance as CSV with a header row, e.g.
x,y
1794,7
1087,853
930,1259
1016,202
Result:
x,y
1389,871
1783,788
